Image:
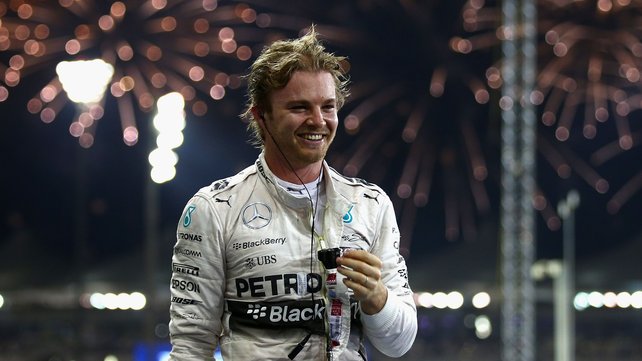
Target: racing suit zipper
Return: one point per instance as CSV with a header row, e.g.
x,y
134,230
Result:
x,y
324,292
321,244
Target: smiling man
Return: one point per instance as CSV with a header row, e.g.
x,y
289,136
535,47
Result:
x,y
252,283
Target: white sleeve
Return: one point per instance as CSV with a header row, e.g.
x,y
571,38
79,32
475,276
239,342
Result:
x,y
393,329
197,284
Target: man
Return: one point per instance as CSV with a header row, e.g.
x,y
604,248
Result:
x,y
246,275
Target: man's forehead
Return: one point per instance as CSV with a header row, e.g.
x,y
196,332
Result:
x,y
306,86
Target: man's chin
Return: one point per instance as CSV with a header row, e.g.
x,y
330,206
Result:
x,y
313,157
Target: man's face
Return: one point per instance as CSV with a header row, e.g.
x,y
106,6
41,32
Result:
x,y
303,121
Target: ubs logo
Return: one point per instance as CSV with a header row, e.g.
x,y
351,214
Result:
x,y
260,261
256,215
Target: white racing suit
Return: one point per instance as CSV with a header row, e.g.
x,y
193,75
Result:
x,y
245,274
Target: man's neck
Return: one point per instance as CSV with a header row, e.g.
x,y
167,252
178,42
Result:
x,y
293,173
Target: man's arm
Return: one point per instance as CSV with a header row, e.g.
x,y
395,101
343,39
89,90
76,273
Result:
x,y
379,280
198,283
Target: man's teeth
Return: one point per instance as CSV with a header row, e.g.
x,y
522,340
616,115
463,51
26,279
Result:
x,y
313,136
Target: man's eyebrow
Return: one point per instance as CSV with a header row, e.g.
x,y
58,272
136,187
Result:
x,y
307,102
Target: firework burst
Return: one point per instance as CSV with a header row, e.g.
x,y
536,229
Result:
x,y
401,128
195,47
589,56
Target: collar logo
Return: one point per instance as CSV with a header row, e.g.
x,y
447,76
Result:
x,y
347,218
256,215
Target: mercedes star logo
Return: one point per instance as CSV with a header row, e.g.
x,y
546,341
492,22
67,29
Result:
x,y
257,215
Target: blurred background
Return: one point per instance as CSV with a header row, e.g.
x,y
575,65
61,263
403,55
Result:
x,y
87,224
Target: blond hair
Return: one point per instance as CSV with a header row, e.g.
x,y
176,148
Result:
x,y
274,68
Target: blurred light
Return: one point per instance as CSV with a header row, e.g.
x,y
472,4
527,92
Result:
x,y
97,300
123,301
171,101
163,174
1,301
455,300
111,358
169,122
595,299
483,327
162,157
636,299
83,300
623,300
440,300
85,81
111,301
169,140
137,301
161,330
481,300
609,299
581,301
425,300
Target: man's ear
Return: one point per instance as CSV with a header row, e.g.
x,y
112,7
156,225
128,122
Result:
x,y
258,116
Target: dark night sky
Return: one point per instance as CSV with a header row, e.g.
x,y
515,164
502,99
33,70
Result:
x,y
53,192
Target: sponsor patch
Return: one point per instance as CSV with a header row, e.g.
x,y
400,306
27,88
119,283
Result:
x,y
280,284
185,268
185,301
260,261
300,314
187,252
185,285
190,237
261,242
256,215
347,218
187,218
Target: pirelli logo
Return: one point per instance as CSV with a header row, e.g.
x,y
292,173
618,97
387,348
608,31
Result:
x,y
185,268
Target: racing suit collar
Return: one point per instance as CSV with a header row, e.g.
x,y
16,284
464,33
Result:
x,y
270,181
337,202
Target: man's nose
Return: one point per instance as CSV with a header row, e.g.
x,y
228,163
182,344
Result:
x,y
316,117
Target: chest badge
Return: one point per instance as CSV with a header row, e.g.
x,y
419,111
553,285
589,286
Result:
x,y
256,215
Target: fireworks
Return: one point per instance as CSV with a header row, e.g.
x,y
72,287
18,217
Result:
x,y
589,56
197,48
402,128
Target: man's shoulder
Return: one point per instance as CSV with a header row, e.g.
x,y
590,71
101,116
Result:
x,y
356,183
225,184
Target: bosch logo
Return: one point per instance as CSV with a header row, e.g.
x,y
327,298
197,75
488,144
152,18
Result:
x,y
185,301
256,215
